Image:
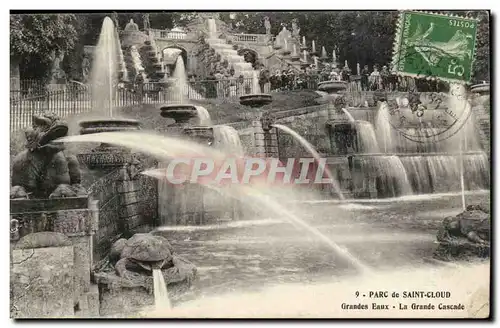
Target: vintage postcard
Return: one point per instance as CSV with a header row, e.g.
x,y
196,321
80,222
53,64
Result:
x,y
250,164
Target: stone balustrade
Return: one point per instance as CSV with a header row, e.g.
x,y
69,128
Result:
x,y
168,34
250,38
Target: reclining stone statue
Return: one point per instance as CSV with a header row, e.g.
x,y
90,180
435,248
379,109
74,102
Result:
x,y
466,235
42,170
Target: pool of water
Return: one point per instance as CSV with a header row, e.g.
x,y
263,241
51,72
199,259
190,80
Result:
x,y
254,255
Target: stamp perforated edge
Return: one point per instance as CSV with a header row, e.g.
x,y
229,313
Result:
x,y
396,49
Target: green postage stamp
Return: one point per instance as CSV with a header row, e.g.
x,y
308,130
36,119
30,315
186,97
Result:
x,y
434,46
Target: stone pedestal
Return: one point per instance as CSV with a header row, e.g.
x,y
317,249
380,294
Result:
x,y
54,268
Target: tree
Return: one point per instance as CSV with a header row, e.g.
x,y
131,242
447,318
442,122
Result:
x,y
35,39
482,62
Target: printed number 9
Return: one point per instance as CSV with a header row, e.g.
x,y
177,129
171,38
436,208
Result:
x,y
357,294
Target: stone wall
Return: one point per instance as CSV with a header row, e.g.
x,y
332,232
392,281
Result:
x,y
127,203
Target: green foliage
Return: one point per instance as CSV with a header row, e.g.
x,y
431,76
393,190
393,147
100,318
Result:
x,y
41,35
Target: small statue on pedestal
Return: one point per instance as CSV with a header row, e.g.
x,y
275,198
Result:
x,y
267,25
86,68
295,28
145,19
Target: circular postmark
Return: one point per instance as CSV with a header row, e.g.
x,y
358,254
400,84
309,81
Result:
x,y
423,116
432,47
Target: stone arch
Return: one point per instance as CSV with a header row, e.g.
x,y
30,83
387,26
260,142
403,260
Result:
x,y
250,55
170,59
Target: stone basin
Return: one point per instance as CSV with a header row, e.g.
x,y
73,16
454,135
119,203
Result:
x,y
256,100
108,125
203,134
332,86
181,113
295,57
482,88
106,155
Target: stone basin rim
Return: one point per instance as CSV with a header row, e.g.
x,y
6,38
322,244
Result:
x,y
167,107
256,95
114,121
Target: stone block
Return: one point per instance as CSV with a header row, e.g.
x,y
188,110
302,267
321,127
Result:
x,y
259,136
125,302
129,198
259,142
128,186
273,150
82,260
42,283
129,210
93,301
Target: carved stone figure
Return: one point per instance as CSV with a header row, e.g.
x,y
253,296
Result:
x,y
144,252
145,18
267,25
295,28
57,72
465,235
43,170
86,68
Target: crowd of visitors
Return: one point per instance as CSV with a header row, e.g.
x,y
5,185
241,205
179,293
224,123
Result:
x,y
224,83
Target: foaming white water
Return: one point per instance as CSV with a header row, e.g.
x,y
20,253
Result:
x,y
395,200
369,143
255,82
384,130
349,115
391,172
105,68
354,206
212,28
203,116
228,225
182,90
324,300
314,153
227,139
162,302
166,148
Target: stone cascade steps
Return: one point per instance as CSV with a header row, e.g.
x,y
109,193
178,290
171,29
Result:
x,y
227,52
